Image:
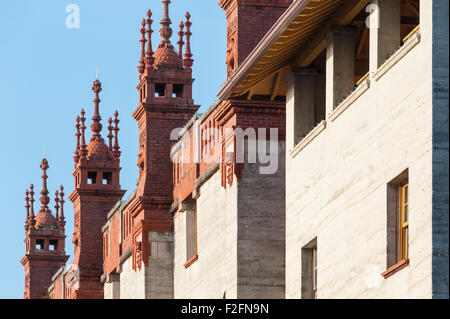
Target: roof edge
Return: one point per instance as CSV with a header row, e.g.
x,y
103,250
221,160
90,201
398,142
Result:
x,y
269,39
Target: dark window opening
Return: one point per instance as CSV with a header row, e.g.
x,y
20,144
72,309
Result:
x,y
410,19
39,244
361,46
178,90
53,244
319,64
107,178
160,89
309,270
92,178
191,232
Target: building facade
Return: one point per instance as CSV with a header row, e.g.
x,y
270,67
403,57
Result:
x,y
320,172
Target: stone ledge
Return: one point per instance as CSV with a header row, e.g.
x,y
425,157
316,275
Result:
x,y
308,138
397,267
397,56
349,100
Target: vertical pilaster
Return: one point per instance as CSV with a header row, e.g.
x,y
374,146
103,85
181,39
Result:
x,y
340,65
385,35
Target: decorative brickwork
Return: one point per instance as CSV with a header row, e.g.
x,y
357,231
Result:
x,y
45,235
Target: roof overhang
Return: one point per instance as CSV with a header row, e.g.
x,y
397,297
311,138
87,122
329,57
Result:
x,y
296,40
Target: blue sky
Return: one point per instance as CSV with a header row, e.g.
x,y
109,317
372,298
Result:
x,y
46,75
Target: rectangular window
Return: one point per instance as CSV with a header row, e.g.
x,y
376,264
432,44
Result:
x,y
107,178
191,233
397,224
53,244
160,89
314,272
39,244
92,178
403,222
309,270
178,90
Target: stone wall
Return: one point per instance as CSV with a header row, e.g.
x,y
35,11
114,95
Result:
x,y
337,186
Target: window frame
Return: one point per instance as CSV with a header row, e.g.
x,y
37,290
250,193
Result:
x,y
403,223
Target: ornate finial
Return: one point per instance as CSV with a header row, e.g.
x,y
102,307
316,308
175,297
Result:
x,y
76,158
149,59
188,62
96,126
27,207
32,221
141,66
116,148
181,42
45,200
62,201
166,30
83,138
110,135
57,205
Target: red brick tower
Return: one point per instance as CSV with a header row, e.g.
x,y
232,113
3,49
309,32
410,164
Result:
x,y
165,103
247,22
45,235
97,190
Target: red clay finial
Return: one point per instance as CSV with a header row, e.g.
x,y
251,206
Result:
x,y
181,42
27,207
76,158
110,135
83,137
141,66
96,125
62,201
32,220
166,30
57,204
188,62
45,200
149,59
116,148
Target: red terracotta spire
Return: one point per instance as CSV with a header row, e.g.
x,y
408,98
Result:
x,y
27,207
141,66
188,62
76,158
57,205
149,59
110,135
83,137
181,42
96,126
116,148
61,218
166,30
32,217
45,200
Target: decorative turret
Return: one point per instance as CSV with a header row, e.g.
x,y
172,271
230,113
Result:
x,y
165,103
97,190
96,149
44,239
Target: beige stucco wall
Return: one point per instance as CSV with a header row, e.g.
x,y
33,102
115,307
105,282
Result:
x,y
132,283
337,185
215,271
